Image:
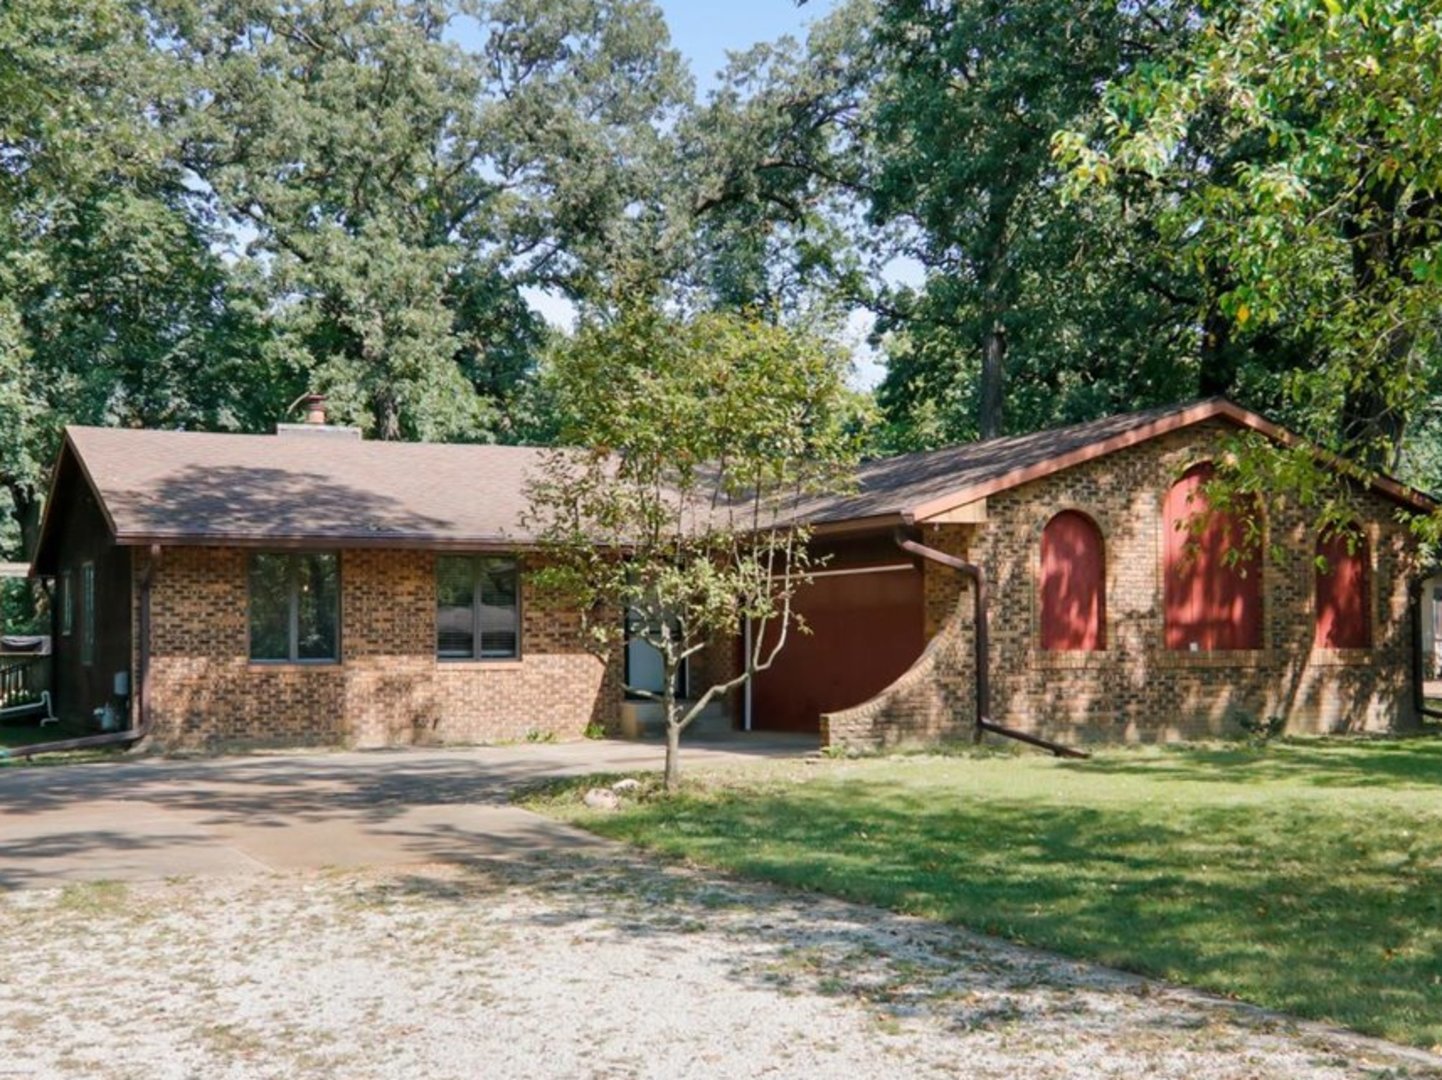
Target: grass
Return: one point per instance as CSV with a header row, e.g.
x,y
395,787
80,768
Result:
x,y
29,732
1305,876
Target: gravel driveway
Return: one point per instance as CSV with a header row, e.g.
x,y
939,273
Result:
x,y
595,964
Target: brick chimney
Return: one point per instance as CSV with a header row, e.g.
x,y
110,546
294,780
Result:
x,y
315,420
314,409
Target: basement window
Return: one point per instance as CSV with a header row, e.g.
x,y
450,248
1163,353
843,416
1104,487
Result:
x,y
295,607
478,608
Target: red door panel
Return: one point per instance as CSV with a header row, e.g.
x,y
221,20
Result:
x,y
1209,603
866,630
1073,584
1343,595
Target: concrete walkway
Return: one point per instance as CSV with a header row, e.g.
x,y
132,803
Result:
x,y
151,819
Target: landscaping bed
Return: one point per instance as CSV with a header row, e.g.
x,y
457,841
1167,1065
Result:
x,y
1304,876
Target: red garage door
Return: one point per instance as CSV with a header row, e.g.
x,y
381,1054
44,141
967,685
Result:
x,y
866,630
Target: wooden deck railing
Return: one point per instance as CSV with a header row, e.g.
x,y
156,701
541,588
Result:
x,y
23,679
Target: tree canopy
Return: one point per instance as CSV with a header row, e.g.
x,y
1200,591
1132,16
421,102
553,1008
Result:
x,y
1051,210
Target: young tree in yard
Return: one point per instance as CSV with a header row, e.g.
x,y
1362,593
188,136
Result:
x,y
699,443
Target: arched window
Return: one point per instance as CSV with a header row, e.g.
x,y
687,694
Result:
x,y
1343,593
1209,602
1073,584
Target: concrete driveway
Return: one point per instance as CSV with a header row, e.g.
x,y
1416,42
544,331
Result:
x,y
151,819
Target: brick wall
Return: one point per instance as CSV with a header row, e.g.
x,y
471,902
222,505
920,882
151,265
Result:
x,y
389,689
1136,690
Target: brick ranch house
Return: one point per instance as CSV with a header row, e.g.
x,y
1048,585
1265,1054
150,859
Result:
x,y
312,587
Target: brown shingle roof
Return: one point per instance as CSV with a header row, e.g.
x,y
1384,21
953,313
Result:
x,y
312,487
899,485
914,486
198,487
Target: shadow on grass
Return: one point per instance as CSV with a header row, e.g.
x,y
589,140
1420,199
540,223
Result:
x,y
28,732
1318,911
1390,763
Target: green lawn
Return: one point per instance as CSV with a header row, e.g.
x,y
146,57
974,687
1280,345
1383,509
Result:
x,y
1305,876
29,732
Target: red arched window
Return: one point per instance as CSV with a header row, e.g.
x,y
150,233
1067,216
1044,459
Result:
x,y
1209,603
1073,584
1343,593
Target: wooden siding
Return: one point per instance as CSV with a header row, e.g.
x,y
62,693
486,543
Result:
x,y
82,536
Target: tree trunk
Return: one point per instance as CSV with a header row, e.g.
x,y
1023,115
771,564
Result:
x,y
991,411
673,729
388,415
673,755
1218,374
27,515
1373,421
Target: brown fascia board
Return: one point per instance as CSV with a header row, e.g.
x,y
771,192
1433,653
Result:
x,y
312,541
873,523
1214,408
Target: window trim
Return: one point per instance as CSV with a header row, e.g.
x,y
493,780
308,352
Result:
x,y
292,559
67,603
475,561
87,613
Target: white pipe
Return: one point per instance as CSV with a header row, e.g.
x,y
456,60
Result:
x,y
891,568
43,703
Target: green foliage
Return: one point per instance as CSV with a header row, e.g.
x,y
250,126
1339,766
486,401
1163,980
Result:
x,y
1300,148
207,208
698,440
1030,312
401,191
1305,876
114,306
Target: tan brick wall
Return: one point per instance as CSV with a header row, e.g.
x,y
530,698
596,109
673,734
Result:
x,y
389,688
1136,690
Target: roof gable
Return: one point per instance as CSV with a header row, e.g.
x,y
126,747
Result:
x,y
914,487
198,488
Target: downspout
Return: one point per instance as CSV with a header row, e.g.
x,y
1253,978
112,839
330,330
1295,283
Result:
x,y
977,576
140,714
1419,693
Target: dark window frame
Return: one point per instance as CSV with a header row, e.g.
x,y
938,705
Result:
x,y
67,603
87,613
476,655
292,561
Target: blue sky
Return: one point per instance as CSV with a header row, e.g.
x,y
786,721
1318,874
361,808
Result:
x,y
705,30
